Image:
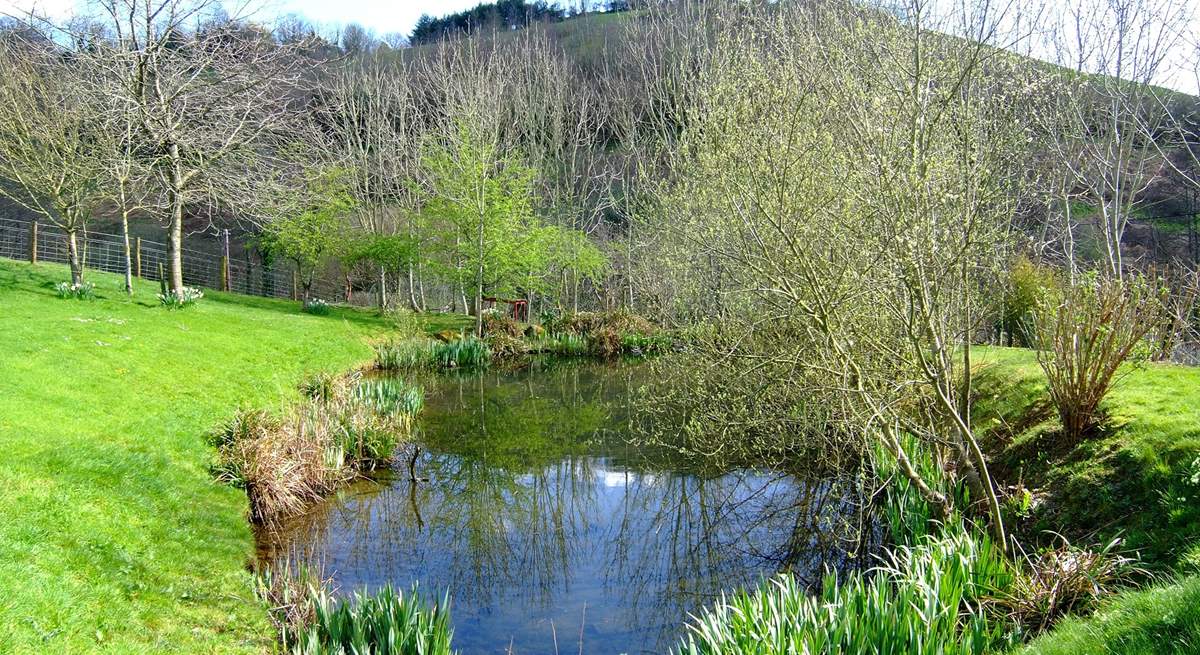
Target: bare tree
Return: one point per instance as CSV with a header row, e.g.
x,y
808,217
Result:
x,y
48,135
199,91
1110,110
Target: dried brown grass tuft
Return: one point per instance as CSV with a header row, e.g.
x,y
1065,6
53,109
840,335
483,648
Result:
x,y
287,463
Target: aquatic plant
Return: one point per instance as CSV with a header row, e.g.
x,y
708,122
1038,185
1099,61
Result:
x,y
923,600
505,346
464,353
405,354
390,396
388,622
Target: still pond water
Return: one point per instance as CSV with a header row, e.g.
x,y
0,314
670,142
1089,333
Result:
x,y
552,533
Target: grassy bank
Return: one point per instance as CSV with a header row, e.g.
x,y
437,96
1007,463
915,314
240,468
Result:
x,y
116,537
1137,479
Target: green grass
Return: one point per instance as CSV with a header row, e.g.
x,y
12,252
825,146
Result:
x,y
1137,479
115,536
1162,620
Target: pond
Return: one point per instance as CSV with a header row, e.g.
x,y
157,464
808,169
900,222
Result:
x,y
553,533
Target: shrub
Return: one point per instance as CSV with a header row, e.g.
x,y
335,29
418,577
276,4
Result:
x,y
1028,285
180,299
387,622
316,306
496,323
1086,335
81,291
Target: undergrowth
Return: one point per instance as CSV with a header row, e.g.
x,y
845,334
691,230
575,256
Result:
x,y
343,427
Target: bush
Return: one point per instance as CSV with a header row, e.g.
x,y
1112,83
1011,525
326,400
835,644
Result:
x,y
316,306
1028,285
178,300
1086,335
495,323
384,623
506,346
81,291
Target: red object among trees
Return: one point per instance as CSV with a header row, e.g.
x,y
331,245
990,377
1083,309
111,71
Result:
x,y
519,307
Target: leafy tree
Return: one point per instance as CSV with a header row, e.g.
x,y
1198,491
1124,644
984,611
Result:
x,y
483,202
315,230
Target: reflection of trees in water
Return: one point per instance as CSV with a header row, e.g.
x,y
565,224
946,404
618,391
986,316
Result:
x,y
516,512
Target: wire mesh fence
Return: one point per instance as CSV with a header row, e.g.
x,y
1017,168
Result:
x,y
106,252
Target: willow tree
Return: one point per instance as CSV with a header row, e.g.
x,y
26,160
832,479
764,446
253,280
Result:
x,y
843,212
49,133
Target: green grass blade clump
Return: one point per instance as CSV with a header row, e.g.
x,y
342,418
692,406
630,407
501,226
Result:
x,y
388,622
922,601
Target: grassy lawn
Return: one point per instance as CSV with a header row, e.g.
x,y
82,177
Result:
x,y
115,537
1139,479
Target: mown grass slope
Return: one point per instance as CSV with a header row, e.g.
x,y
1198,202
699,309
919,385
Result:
x,y
1139,479
115,537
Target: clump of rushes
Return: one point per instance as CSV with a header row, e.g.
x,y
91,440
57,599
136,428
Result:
x,y
405,354
609,334
923,600
388,622
427,354
343,428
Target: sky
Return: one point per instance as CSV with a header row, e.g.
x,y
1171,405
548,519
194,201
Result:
x,y
380,16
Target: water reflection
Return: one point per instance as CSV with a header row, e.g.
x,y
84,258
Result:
x,y
549,530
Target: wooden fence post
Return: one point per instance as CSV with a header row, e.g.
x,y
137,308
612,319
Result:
x,y
226,283
295,285
33,234
138,255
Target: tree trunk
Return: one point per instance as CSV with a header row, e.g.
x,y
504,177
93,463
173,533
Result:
x,y
421,289
73,257
128,253
175,245
479,284
175,235
412,290
382,289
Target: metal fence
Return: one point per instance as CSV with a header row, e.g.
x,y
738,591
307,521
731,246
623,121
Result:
x,y
106,252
